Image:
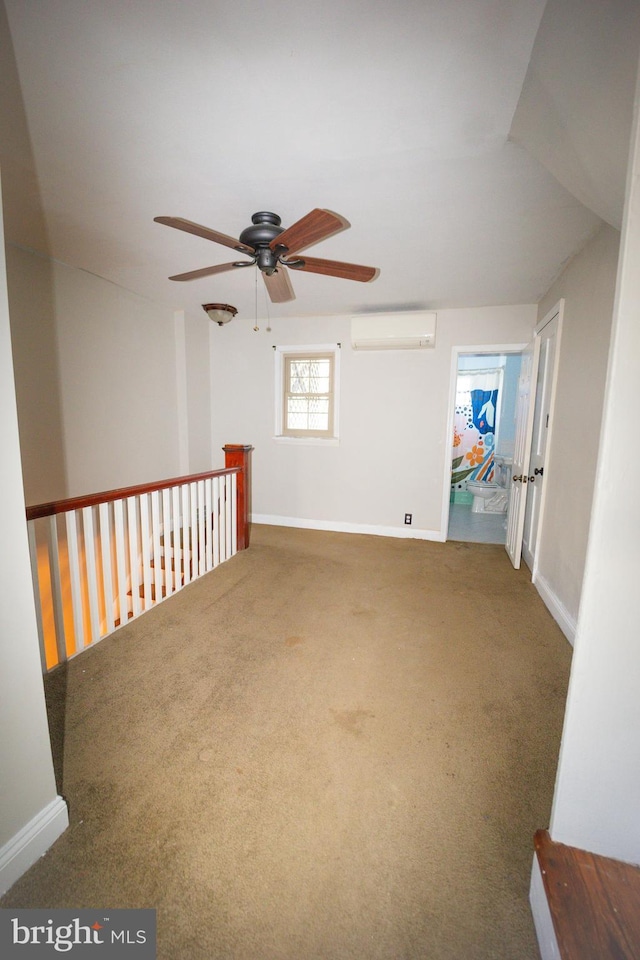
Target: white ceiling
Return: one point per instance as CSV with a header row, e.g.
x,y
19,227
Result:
x,y
397,116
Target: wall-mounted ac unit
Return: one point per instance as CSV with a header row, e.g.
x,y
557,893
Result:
x,y
393,331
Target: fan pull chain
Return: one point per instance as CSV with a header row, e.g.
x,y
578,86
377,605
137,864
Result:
x,y
256,327
266,303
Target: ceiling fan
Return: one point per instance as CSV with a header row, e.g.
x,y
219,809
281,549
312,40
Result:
x,y
271,247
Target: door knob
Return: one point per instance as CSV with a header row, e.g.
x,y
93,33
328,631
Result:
x,y
517,479
539,471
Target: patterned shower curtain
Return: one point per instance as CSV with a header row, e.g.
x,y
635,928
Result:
x,y
474,426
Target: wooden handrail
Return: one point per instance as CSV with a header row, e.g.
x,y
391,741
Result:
x,y
94,499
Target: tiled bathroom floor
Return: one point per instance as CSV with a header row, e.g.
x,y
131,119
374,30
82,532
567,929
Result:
x,y
476,527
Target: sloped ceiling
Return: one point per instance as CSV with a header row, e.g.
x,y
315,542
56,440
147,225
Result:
x,y
397,117
576,106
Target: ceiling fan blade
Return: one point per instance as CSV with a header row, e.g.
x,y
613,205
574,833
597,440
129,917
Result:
x,y
316,226
206,271
335,268
205,232
279,286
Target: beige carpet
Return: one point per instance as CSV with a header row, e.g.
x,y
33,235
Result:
x,y
332,747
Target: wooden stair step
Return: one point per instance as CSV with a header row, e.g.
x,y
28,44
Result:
x,y
172,538
594,901
163,591
172,566
129,617
171,542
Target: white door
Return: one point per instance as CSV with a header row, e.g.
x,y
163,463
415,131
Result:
x,y
542,417
522,449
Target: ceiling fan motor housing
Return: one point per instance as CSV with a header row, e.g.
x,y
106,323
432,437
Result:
x,y
266,226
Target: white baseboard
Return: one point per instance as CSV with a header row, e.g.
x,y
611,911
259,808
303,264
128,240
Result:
x,y
32,842
542,920
405,532
555,607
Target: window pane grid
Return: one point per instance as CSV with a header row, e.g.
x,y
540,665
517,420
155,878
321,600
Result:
x,y
308,396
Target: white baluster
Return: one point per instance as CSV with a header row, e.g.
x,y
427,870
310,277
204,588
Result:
x,y
157,558
92,573
176,539
216,520
195,543
146,550
121,561
222,519
209,528
229,516
166,540
75,576
185,535
56,589
35,577
134,555
234,514
201,529
107,572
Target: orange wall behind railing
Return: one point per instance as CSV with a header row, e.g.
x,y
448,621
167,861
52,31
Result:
x,y
46,603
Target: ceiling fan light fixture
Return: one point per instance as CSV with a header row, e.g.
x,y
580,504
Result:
x,y
219,312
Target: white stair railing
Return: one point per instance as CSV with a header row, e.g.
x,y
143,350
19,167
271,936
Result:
x,y
99,561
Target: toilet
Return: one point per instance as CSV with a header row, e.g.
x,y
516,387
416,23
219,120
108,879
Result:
x,y
481,492
492,497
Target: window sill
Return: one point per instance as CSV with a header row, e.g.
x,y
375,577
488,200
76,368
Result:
x,y
309,441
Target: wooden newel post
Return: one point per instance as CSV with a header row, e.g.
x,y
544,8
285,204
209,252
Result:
x,y
237,455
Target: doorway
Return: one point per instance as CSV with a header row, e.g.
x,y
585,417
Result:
x,y
549,333
481,420
536,393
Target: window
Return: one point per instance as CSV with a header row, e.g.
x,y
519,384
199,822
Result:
x,y
307,392
307,396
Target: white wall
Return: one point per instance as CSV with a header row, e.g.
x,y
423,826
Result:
x,y
394,430
588,287
118,384
198,400
37,375
100,367
31,813
598,785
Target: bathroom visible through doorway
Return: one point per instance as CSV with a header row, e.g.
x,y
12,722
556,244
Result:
x,y
482,422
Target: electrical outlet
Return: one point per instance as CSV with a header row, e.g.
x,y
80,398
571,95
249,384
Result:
x,y
407,517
